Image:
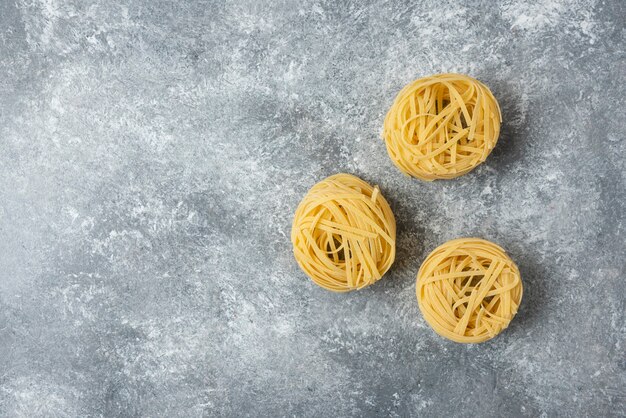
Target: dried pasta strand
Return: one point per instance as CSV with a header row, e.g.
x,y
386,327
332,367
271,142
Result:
x,y
468,290
344,234
442,126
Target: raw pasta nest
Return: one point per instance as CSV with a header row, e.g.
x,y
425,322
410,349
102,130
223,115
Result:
x,y
442,126
344,234
468,290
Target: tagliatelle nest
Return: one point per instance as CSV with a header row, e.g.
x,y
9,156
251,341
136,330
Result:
x,y
442,126
468,290
344,234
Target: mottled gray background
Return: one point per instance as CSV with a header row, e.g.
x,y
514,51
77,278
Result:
x,y
152,154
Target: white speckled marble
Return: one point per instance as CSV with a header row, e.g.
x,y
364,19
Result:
x,y
152,154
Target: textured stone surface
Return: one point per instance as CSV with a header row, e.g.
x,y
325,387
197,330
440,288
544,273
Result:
x,y
152,154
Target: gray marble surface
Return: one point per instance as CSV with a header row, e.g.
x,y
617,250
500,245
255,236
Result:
x,y
152,154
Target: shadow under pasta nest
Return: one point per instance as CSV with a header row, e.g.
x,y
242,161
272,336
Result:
x,y
534,300
514,122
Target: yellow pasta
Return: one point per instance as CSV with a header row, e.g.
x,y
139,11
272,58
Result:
x,y
344,234
468,290
442,126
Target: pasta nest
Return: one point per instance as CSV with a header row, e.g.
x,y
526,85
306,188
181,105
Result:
x,y
344,234
468,290
442,126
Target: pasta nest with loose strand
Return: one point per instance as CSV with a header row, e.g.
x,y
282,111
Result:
x,y
468,290
442,126
344,234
